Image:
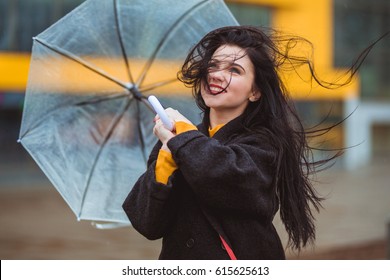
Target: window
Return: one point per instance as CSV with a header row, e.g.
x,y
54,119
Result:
x,y
23,19
247,14
358,23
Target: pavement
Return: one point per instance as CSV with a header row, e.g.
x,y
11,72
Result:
x,y
356,210
36,223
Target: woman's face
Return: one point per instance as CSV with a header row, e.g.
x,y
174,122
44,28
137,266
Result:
x,y
231,80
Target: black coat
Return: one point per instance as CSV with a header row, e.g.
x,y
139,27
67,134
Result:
x,y
224,186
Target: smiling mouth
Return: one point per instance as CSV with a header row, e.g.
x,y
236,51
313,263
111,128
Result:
x,y
215,90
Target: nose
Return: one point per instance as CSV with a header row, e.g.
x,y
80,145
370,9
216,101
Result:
x,y
216,75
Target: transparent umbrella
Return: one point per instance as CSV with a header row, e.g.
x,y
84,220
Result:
x,y
86,120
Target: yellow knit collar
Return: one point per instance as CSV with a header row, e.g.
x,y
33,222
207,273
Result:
x,y
214,130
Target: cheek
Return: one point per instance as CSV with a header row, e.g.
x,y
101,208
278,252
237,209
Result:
x,y
241,88
203,87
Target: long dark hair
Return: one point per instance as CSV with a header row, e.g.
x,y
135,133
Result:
x,y
273,114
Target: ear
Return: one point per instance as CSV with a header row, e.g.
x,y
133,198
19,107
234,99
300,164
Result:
x,y
255,96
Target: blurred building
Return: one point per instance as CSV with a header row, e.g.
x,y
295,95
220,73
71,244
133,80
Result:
x,y
339,30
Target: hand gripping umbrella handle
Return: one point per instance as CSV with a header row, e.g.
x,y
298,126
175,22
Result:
x,y
161,112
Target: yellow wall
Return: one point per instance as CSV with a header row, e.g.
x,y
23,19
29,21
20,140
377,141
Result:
x,y
13,71
311,19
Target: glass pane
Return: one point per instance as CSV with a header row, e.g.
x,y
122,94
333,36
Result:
x,y
251,14
23,19
357,24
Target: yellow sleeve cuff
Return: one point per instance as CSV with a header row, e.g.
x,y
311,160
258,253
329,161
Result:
x,y
184,127
165,166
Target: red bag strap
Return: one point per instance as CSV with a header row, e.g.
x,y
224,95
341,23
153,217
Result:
x,y
228,249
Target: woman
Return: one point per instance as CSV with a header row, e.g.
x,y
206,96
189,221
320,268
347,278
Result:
x,y
212,191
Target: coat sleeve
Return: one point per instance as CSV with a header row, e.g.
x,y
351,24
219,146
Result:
x,y
236,176
148,205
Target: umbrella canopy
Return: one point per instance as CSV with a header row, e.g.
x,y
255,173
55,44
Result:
x,y
82,121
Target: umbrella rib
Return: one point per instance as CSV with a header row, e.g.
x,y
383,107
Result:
x,y
164,38
48,115
121,41
98,100
155,85
81,62
108,135
141,139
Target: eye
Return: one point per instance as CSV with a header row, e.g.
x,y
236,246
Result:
x,y
212,66
235,70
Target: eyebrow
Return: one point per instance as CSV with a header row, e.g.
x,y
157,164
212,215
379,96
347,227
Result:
x,y
231,63
238,65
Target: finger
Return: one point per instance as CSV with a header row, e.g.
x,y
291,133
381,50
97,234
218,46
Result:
x,y
155,130
159,125
171,110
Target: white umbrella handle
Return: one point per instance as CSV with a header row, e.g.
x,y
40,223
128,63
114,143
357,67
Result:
x,y
161,112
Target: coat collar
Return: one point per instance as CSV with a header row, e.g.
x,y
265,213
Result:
x,y
232,127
